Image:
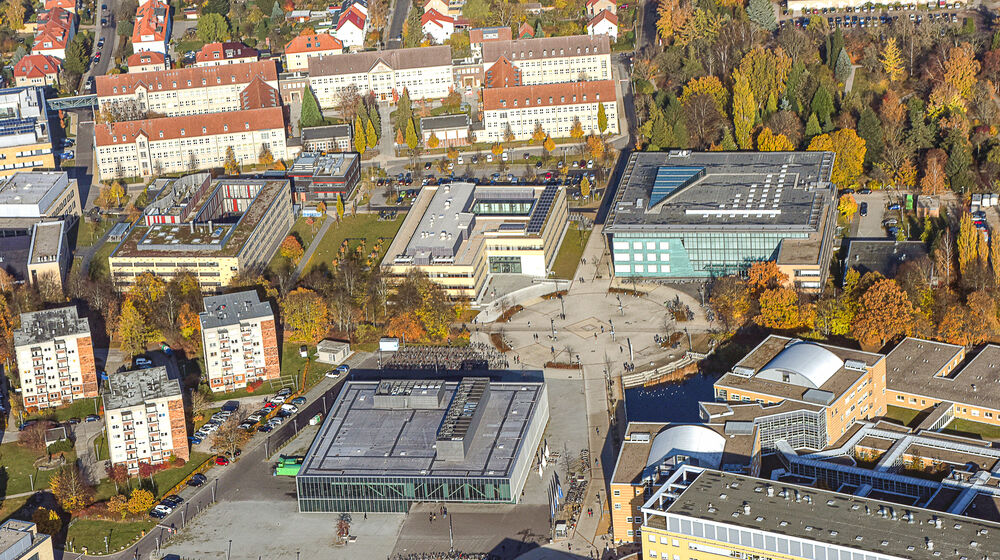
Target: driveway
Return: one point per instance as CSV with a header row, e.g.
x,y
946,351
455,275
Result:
x,y
870,226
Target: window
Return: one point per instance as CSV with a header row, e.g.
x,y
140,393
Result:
x,y
652,554
652,538
618,506
617,492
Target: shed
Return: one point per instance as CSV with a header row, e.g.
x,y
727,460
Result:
x,y
53,435
332,351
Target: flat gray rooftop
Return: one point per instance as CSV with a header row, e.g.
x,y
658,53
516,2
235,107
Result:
x,y
43,326
330,131
443,122
822,516
446,222
32,187
690,191
358,439
131,388
229,309
884,256
46,243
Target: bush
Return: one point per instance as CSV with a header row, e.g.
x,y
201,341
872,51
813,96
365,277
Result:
x,y
254,385
61,446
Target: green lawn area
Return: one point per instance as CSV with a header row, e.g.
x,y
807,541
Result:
x,y
900,414
90,534
355,228
10,506
968,427
570,252
165,480
302,229
192,45
88,233
18,464
101,443
77,409
99,269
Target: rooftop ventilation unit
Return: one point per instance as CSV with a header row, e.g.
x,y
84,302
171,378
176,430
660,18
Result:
x,y
855,365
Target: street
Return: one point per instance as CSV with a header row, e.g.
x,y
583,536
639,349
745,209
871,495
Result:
x,y
393,36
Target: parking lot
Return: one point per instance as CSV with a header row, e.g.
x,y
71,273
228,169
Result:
x,y
876,16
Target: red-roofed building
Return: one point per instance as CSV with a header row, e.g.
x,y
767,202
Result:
x,y
68,5
525,31
37,70
481,35
351,27
258,95
502,74
55,30
440,6
299,50
147,61
217,54
437,26
595,7
554,106
604,23
152,27
179,144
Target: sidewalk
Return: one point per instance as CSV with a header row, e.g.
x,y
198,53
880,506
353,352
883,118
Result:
x,y
304,261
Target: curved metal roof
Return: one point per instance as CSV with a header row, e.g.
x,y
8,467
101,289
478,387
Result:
x,y
803,364
698,442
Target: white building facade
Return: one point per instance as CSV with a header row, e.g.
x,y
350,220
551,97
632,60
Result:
x,y
144,418
426,73
55,358
556,107
239,340
551,60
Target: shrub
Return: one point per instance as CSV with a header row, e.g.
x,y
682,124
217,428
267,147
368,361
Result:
x,y
61,446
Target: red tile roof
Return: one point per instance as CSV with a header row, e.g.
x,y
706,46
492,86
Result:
x,y
605,14
433,15
502,74
57,14
143,58
191,126
313,43
152,18
478,35
36,66
258,95
224,51
65,4
548,95
190,77
525,31
354,16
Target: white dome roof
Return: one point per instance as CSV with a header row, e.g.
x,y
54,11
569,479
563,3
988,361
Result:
x,y
692,440
803,364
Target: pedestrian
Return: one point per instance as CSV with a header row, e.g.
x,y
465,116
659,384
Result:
x,y
366,515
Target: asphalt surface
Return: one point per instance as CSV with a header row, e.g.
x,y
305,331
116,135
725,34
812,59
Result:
x,y
109,35
394,39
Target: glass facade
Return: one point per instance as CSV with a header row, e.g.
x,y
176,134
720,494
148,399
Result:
x,y
694,254
801,428
387,494
502,208
505,265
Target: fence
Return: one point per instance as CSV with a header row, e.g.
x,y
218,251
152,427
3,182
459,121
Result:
x,y
637,379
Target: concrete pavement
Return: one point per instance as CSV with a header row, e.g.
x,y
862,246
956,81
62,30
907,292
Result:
x,y
307,255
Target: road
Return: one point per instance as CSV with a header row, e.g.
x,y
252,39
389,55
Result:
x,y
397,19
110,37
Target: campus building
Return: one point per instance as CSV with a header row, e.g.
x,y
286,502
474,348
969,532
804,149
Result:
x,y
239,337
152,147
221,54
330,138
39,257
232,227
556,107
683,214
426,73
37,70
20,540
387,444
27,197
151,31
144,418
183,91
299,50
147,61
546,60
55,358
320,177
55,30
25,142
461,233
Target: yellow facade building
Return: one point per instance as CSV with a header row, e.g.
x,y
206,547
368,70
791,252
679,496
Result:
x,y
25,143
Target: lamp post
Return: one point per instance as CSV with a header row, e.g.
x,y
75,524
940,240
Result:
x,y
230,551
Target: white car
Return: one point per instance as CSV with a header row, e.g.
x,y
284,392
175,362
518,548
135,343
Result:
x,y
461,160
290,408
505,156
164,509
278,399
143,363
209,428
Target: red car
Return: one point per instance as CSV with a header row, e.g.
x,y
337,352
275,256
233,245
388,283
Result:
x,y
221,461
270,406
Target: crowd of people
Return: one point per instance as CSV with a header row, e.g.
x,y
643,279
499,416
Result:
x,y
476,356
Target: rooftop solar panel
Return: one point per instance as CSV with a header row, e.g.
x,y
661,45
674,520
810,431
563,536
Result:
x,y
670,178
542,209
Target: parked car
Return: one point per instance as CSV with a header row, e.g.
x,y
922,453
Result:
x,y
298,401
158,513
265,428
195,440
172,500
197,480
278,399
221,460
290,408
93,418
284,391
143,363
303,352
67,142
332,373
344,368
864,209
427,165
68,154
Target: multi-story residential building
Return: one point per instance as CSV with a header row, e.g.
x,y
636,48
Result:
x,y
144,418
461,233
219,54
232,227
239,335
352,24
437,26
320,177
147,61
183,91
546,60
481,35
21,540
27,197
299,50
425,73
55,30
151,147
330,138
556,107
604,23
55,358
151,31
37,70
25,142
669,219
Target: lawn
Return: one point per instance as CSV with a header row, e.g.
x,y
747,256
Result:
x,y
570,252
77,409
356,228
192,45
906,416
18,464
87,232
90,534
961,426
164,481
302,229
99,269
8,507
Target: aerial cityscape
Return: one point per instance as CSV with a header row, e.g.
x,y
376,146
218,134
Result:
x,y
498,280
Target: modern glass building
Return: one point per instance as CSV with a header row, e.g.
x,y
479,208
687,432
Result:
x,y
684,214
390,443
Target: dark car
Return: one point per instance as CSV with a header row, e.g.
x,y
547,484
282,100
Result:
x,y
197,480
73,421
299,401
894,207
865,191
265,428
172,500
864,209
195,440
158,514
427,165
93,418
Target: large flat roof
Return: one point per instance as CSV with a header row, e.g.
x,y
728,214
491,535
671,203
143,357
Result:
x,y
821,516
682,190
884,256
359,439
131,388
45,325
936,370
229,309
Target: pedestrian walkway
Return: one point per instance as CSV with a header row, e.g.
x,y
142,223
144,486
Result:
x,y
312,248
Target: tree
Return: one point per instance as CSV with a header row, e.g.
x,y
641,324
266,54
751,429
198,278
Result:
x,y
968,241
730,300
934,181
870,129
265,158
432,141
46,521
187,322
843,68
671,18
577,131
291,249
538,136
117,192
306,314
847,206
340,207
761,12
496,149
118,504
812,127
477,11
595,147
14,14
821,105
213,28
371,134
779,309
549,144
602,118
71,489
850,153
960,161
892,61
710,85
309,113
585,187
766,71
134,331
961,68
765,275
768,141
411,135
78,53
231,166
744,111
406,326
360,142
884,312
452,153
140,501
230,436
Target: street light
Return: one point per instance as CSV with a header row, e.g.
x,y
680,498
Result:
x,y
230,551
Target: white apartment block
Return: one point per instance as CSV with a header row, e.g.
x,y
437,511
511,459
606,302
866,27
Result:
x,y
55,358
555,106
547,60
144,418
185,91
426,73
182,144
240,341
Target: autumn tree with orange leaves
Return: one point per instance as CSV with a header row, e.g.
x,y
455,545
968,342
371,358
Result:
x,y
884,312
765,275
779,309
